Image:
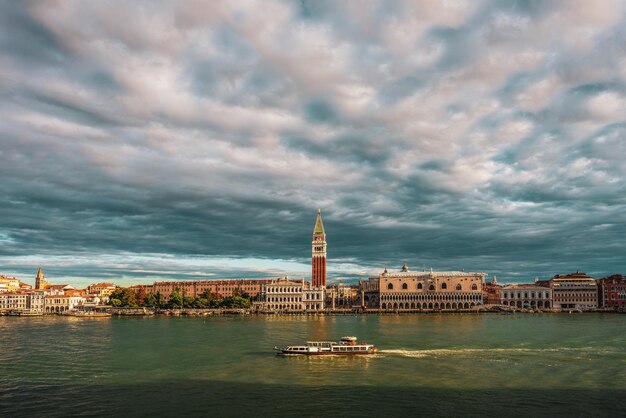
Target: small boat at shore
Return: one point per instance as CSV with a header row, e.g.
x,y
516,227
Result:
x,y
347,346
24,313
87,314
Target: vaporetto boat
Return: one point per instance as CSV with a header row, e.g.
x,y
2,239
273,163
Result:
x,y
347,346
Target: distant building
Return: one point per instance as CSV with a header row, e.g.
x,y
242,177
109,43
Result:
x,y
612,292
529,296
101,290
492,292
9,284
36,302
57,289
13,301
63,303
318,258
572,291
341,296
222,288
291,295
370,289
451,290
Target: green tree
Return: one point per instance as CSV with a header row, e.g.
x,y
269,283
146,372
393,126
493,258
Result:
x,y
240,302
160,300
125,296
212,299
115,302
140,296
176,299
226,302
151,300
188,302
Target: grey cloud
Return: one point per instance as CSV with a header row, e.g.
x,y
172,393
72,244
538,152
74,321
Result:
x,y
458,138
320,111
27,40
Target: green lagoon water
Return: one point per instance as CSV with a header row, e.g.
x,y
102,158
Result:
x,y
429,365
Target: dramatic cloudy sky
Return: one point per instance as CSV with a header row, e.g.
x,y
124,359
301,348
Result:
x,y
143,140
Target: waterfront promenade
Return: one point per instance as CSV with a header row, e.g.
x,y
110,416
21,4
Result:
x,y
191,312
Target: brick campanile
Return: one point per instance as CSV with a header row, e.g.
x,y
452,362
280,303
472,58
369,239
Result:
x,y
318,260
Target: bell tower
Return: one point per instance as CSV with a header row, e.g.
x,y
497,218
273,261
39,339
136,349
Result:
x,y
40,280
318,260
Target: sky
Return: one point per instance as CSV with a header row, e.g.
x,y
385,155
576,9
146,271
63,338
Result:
x,y
161,140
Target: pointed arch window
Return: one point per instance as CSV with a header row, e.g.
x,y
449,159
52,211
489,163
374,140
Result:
x,y
404,286
419,286
444,286
474,287
390,286
458,286
431,287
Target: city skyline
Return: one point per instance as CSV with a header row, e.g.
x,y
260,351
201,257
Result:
x,y
199,142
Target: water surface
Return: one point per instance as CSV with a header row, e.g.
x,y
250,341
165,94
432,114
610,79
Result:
x,y
430,365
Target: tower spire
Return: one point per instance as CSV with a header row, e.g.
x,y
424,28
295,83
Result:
x,y
319,225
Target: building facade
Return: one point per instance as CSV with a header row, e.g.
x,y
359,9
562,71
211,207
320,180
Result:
x,y
612,292
406,290
102,290
63,303
529,296
318,250
36,302
291,296
9,284
13,301
23,301
573,291
222,288
341,296
492,292
370,289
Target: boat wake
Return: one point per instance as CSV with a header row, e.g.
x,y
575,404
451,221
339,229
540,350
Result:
x,y
485,352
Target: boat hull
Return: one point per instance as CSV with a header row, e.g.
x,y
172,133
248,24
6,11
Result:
x,y
326,353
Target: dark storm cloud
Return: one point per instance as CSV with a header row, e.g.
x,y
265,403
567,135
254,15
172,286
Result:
x,y
200,140
27,40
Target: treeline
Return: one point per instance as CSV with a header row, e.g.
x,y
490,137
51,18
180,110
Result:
x,y
127,298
